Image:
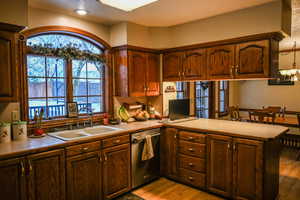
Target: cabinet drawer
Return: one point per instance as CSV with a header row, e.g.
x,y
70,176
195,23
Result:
x,y
192,149
114,141
192,137
192,163
83,148
192,178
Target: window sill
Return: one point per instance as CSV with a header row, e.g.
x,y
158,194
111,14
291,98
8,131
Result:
x,y
59,122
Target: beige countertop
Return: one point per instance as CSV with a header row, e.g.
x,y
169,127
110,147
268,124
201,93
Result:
x,y
34,145
233,128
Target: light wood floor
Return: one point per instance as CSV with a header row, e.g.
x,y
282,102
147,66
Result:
x,y
164,189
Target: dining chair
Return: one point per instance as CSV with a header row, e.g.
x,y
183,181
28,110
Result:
x,y
279,111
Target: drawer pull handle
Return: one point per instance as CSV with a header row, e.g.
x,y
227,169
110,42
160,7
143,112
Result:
x,y
191,178
191,164
191,138
191,149
84,149
117,141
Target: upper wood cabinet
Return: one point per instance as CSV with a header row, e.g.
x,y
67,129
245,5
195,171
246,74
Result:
x,y
194,65
172,66
116,171
252,59
181,66
247,57
8,66
220,62
137,72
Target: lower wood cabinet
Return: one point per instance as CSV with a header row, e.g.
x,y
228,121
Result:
x,y
35,177
116,171
169,153
84,175
235,167
219,178
13,179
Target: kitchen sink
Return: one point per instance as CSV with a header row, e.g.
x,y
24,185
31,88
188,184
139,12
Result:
x,y
100,130
69,135
77,134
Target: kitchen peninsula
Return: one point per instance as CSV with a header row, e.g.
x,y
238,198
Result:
x,y
232,159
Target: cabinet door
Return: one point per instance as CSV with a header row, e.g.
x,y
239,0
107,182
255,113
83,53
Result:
x,y
84,177
116,171
137,73
12,179
8,67
194,65
169,153
220,62
247,169
252,59
220,165
46,176
172,66
153,75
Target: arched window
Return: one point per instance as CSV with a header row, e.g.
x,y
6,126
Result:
x,y
57,78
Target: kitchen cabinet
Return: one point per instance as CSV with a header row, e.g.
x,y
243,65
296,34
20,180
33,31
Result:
x,y
116,170
8,66
252,59
172,66
194,65
220,62
169,153
247,57
84,175
235,167
13,179
184,66
46,176
36,177
247,169
219,165
137,72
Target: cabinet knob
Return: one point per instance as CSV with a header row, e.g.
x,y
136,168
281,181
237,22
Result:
x,y
84,149
191,138
191,178
237,69
22,169
191,149
117,141
30,167
191,164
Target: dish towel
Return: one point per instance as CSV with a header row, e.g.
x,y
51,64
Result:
x,y
148,152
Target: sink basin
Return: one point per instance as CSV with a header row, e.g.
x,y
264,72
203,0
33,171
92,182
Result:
x,y
77,134
69,135
100,130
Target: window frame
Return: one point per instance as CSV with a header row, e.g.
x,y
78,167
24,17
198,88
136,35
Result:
x,y
74,32
185,90
211,99
226,98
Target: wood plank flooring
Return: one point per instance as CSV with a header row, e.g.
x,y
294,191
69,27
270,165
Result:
x,y
164,189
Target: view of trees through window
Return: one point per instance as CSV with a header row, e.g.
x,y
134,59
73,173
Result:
x,y
48,87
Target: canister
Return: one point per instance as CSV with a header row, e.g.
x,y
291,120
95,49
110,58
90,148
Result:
x,y
20,130
5,132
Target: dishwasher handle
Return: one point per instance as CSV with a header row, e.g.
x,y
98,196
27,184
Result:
x,y
135,141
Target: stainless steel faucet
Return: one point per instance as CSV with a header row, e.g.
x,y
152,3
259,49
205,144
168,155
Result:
x,y
90,112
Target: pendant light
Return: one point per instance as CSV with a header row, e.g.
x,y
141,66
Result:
x,y
293,73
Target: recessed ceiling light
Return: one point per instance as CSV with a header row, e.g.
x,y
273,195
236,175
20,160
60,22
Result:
x,y
81,11
127,5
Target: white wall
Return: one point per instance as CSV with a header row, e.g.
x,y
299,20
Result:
x,y
14,12
38,17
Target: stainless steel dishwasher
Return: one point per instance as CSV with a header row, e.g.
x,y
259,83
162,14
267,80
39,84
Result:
x,y
144,171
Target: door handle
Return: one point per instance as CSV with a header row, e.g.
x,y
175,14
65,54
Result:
x,y
30,167
22,168
105,157
237,68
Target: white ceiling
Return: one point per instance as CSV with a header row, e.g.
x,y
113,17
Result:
x,y
161,13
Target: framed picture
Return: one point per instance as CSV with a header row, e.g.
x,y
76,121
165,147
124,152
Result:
x,y
72,109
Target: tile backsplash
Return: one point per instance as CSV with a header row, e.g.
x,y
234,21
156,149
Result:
x,y
6,109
